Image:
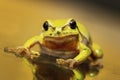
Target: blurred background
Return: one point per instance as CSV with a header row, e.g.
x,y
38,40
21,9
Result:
x,y
21,20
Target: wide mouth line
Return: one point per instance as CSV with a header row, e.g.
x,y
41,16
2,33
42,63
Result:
x,y
61,39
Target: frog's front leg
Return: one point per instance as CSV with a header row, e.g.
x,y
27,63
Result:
x,y
18,51
30,43
80,58
84,53
24,51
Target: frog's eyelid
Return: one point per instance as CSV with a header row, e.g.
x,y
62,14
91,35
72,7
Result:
x,y
52,27
50,24
65,26
68,23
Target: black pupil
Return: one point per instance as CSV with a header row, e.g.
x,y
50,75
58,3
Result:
x,y
73,24
45,26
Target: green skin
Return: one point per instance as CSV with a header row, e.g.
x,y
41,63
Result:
x,y
85,44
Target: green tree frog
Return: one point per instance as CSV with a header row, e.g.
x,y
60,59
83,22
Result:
x,y
67,39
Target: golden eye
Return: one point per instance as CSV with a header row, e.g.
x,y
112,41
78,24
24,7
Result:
x,y
73,24
45,25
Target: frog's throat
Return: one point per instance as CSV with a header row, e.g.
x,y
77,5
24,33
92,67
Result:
x,y
66,43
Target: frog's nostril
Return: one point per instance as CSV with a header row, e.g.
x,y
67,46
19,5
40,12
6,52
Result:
x,y
50,34
58,32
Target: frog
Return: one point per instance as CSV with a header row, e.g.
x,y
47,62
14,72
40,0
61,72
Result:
x,y
69,40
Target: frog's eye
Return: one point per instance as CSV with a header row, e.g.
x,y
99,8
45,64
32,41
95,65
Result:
x,y
45,25
72,24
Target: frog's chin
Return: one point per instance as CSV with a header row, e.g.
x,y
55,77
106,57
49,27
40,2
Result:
x,y
68,42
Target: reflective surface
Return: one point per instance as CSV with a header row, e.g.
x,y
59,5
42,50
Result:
x,y
20,21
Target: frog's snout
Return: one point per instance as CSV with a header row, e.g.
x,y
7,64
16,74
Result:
x,y
58,32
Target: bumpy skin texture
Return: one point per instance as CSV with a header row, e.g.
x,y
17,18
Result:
x,y
69,41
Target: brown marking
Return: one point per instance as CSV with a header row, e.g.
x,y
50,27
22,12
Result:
x,y
67,43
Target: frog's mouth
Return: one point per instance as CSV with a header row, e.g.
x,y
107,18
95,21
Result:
x,y
65,43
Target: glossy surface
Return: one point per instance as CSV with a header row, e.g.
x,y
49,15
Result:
x,y
24,18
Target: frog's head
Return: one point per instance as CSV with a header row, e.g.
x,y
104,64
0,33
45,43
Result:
x,y
60,33
60,28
